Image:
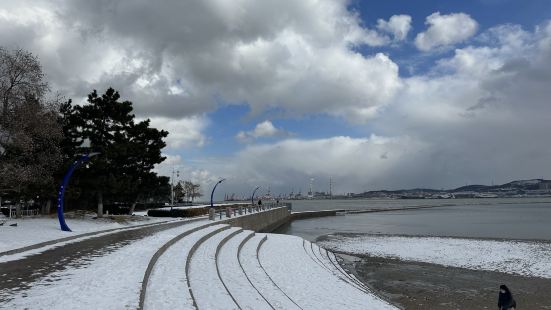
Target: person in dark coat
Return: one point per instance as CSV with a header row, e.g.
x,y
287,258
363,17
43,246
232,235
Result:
x,y
259,202
506,300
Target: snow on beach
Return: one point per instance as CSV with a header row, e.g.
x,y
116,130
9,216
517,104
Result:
x,y
527,258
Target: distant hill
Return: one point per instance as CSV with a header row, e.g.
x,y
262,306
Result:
x,y
532,184
511,189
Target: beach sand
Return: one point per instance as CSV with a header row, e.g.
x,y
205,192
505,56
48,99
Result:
x,y
414,285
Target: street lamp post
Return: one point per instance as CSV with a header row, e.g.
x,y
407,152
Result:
x,y
252,196
212,193
61,194
172,188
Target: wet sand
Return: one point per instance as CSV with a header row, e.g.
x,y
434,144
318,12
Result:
x,y
413,285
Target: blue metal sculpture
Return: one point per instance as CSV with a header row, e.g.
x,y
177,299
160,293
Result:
x,y
212,193
61,193
252,196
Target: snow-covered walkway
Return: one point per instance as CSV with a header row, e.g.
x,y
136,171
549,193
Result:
x,y
167,286
238,285
231,268
108,280
204,280
196,265
32,231
311,285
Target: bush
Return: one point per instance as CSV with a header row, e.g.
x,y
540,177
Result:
x,y
116,209
178,212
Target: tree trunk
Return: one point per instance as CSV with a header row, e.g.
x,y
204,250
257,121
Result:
x,y
18,210
46,207
133,207
100,204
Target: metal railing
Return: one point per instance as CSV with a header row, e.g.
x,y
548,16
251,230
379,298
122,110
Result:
x,y
12,212
229,212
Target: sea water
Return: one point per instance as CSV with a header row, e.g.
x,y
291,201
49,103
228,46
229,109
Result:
x,y
515,218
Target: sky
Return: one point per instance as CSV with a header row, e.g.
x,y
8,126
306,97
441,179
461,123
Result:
x,y
273,93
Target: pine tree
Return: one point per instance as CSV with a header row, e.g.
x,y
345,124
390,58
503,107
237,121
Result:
x,y
128,150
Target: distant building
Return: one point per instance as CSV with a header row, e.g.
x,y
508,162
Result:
x,y
545,185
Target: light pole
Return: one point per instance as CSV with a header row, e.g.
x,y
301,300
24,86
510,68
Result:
x,y
252,196
172,187
61,194
212,193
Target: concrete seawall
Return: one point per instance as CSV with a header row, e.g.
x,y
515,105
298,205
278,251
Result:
x,y
265,221
301,215
270,220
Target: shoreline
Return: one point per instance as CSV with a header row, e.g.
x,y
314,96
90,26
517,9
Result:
x,y
417,285
353,235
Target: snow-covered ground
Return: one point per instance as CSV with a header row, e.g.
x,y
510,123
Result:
x,y
208,289
167,286
277,269
309,284
238,285
259,279
509,256
112,281
31,231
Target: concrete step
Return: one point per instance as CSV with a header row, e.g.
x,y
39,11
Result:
x,y
322,255
315,251
307,247
233,276
333,259
248,258
167,284
205,285
308,283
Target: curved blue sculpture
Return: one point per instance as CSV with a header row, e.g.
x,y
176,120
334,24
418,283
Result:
x,y
252,196
61,193
212,193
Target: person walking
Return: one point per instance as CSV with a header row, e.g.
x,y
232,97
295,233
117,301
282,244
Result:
x,y
506,300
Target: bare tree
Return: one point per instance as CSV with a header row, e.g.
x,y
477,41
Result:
x,y
21,77
192,190
29,131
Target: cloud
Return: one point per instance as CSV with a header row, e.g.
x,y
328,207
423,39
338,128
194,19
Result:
x,y
185,132
480,116
264,129
397,25
445,30
172,160
353,163
184,171
184,58
484,111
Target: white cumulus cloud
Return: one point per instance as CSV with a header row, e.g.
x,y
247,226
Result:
x,y
184,132
397,25
445,30
264,129
480,116
183,58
